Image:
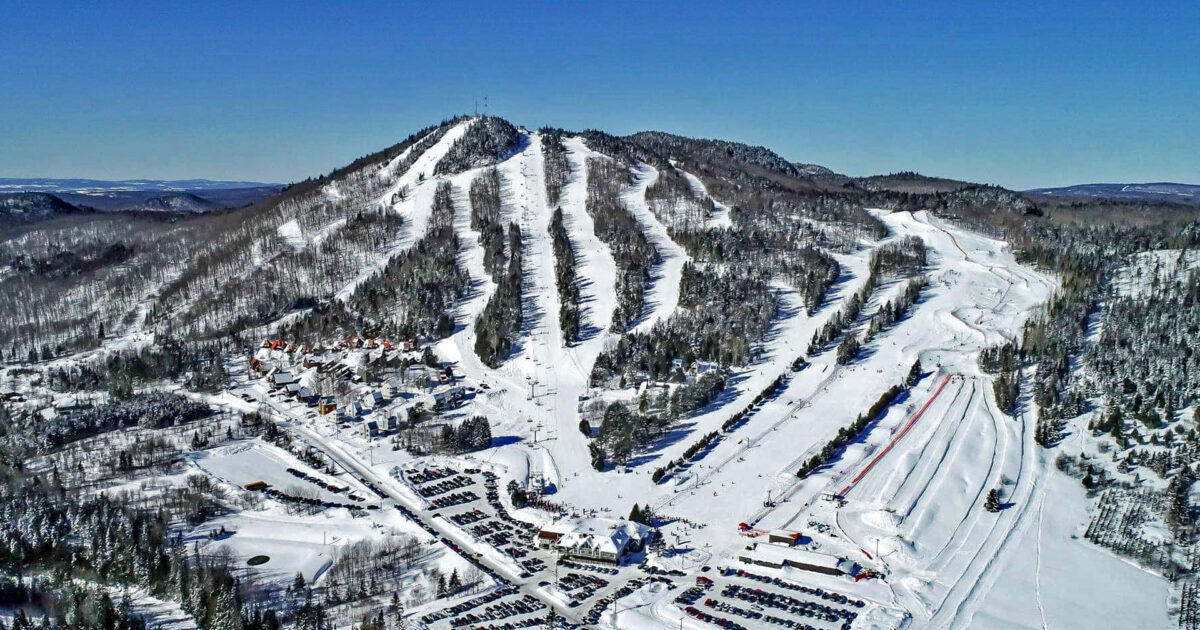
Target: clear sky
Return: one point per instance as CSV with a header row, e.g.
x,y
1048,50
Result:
x,y
1022,95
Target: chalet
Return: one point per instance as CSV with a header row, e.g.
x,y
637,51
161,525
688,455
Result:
x,y
293,389
373,399
281,380
394,421
307,395
448,397
391,389
313,360
595,539
326,405
370,429
700,368
779,556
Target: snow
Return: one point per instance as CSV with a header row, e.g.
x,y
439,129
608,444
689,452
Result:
x,y
662,296
244,462
919,505
914,483
1147,271
304,544
416,207
291,234
1064,582
720,217
594,260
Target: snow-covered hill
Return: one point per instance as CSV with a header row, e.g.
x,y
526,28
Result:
x,y
793,358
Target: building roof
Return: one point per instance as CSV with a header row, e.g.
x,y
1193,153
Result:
x,y
778,554
595,534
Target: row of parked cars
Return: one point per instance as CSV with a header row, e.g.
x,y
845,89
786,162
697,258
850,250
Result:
x,y
502,610
444,486
832,596
429,473
798,607
453,499
300,474
693,594
713,619
462,519
577,581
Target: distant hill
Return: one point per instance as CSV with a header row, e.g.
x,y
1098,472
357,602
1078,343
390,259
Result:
x,y
910,182
100,186
31,198
25,207
1156,192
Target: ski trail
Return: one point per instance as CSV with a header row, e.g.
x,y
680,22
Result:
x,y
720,217
470,257
595,268
662,296
967,591
999,443
893,486
1037,571
540,291
416,208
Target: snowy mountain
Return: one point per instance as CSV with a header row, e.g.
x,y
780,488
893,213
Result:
x,y
441,376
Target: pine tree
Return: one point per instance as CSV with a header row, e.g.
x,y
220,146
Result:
x,y
396,612
913,374
993,503
226,615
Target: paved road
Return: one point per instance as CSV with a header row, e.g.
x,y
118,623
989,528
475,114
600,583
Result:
x,y
393,499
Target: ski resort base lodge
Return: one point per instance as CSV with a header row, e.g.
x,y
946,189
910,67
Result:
x,y
596,539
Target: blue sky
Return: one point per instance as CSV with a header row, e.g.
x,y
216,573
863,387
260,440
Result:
x,y
1021,95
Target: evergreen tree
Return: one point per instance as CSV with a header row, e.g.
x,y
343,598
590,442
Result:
x,y
993,502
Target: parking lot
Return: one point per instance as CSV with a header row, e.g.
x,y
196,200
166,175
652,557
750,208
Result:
x,y
484,518
737,598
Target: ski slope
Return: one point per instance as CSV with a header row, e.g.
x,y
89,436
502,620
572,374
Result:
x,y
662,297
720,217
416,207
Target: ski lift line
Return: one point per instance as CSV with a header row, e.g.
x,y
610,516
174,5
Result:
x,y
899,435
748,442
